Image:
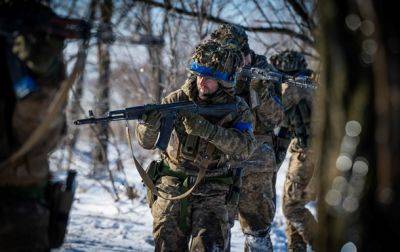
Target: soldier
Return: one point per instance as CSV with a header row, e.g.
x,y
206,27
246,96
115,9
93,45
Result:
x,y
31,66
196,141
297,190
256,207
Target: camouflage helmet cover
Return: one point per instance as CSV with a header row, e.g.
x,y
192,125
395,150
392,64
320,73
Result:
x,y
213,60
289,61
232,34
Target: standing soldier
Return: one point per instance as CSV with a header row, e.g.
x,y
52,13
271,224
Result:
x,y
31,66
297,190
197,141
256,207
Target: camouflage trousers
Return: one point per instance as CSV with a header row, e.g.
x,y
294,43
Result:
x,y
298,191
205,217
256,208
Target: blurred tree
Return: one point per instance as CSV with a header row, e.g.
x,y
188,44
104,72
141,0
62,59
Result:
x,y
356,134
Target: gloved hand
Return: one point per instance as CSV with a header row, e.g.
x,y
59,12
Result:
x,y
198,126
261,87
152,120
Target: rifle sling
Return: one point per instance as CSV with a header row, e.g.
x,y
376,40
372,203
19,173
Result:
x,y
148,181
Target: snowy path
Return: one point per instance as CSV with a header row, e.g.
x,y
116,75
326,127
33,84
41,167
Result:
x,y
98,223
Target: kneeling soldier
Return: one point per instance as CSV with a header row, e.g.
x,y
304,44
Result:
x,y
199,142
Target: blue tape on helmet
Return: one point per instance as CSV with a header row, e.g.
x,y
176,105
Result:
x,y
210,72
243,126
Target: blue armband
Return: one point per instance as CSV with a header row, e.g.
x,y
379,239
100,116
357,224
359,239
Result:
x,y
243,126
278,101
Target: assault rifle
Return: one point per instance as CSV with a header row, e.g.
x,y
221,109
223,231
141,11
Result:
x,y
277,77
169,114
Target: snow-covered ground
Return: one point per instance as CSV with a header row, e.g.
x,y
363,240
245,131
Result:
x,y
100,223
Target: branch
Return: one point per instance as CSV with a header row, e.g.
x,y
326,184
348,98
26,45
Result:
x,y
218,20
299,9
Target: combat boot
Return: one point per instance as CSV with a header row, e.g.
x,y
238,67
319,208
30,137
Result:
x,y
258,243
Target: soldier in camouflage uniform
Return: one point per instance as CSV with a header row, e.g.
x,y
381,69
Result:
x,y
203,217
256,207
24,216
298,190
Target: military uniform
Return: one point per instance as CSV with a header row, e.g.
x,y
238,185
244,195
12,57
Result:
x,y
203,217
257,198
298,190
24,216
256,208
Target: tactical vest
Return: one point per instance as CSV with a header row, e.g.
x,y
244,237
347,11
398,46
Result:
x,y
184,149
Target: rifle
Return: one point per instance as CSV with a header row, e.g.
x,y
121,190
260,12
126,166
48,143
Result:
x,y
169,113
277,77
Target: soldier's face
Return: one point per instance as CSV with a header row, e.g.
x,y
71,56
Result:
x,y
206,86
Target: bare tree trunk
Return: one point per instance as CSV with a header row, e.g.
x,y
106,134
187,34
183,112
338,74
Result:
x,y
357,134
155,57
100,158
73,110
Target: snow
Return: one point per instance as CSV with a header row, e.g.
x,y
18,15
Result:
x,y
100,223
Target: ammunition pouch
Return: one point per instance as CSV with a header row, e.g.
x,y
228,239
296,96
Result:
x,y
300,119
282,139
158,169
234,190
60,195
153,170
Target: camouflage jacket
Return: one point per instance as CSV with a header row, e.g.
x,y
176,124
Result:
x,y
291,98
228,144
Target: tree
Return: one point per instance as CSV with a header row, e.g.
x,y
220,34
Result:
x,y
357,139
102,92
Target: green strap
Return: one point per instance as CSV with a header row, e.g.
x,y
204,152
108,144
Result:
x,y
225,179
184,203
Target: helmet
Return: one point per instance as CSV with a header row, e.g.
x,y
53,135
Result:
x,y
289,61
232,34
216,61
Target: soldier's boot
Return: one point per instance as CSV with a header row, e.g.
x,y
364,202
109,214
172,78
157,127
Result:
x,y
260,243
306,229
